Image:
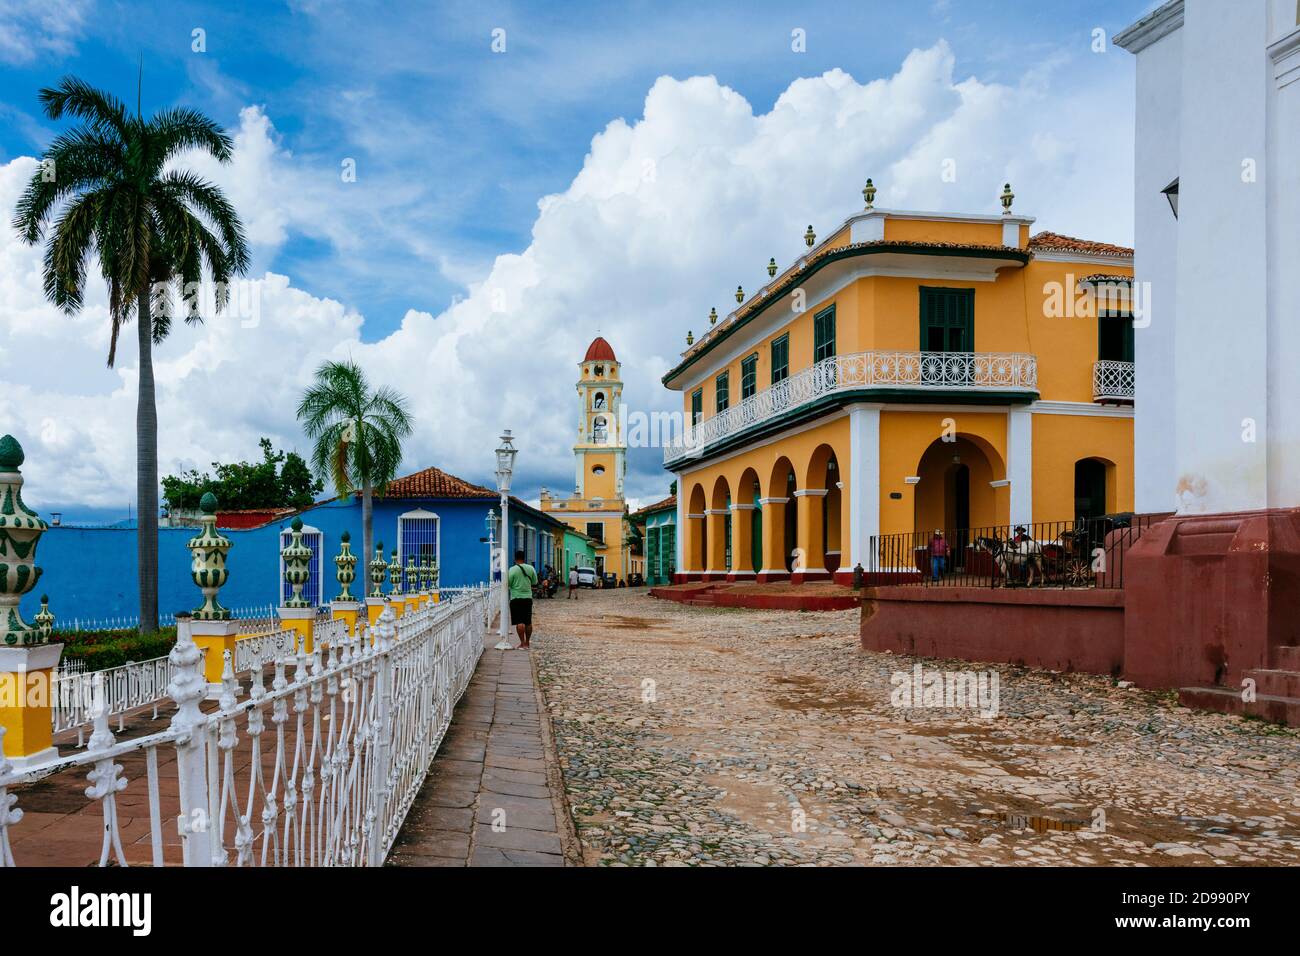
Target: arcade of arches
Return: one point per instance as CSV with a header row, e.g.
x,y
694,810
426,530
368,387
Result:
x,y
782,510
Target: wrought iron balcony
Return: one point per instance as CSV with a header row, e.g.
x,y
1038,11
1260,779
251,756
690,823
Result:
x,y
921,372
1112,381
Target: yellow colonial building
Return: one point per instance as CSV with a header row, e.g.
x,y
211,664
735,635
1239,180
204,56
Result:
x,y
596,507
911,371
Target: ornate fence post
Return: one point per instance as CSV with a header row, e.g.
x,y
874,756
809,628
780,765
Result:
x,y
188,686
345,607
213,630
395,599
375,600
414,599
381,790
297,613
27,658
433,580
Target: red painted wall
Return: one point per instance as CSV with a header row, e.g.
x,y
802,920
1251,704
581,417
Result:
x,y
1064,630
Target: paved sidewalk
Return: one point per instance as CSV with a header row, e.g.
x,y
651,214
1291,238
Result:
x,y
489,800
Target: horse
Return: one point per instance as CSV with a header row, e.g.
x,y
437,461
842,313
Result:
x,y
1012,556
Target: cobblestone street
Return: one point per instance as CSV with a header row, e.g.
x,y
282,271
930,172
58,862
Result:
x,y
695,735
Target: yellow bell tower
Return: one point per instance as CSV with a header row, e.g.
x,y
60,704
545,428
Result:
x,y
596,506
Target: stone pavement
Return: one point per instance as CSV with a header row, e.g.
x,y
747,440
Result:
x,y
493,798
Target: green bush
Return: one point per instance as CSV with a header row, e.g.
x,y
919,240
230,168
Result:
x,y
102,649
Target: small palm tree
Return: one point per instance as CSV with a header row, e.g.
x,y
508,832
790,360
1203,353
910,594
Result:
x,y
357,434
105,188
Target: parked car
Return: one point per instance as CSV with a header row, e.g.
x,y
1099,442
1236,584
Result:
x,y
586,577
611,579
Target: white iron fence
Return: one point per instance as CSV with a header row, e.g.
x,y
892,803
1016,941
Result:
x,y
328,782
914,371
76,696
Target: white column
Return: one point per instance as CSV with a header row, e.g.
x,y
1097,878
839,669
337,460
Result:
x,y
679,533
864,484
1020,464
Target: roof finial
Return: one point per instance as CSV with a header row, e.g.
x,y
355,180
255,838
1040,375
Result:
x,y
740,294
713,315
690,337
869,193
771,267
809,237
1007,196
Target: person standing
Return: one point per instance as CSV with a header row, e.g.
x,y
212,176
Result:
x,y
521,580
573,582
938,554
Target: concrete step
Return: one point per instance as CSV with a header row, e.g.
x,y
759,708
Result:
x,y
1276,683
1287,657
1225,700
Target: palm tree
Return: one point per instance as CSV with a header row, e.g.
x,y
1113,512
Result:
x,y
104,187
357,434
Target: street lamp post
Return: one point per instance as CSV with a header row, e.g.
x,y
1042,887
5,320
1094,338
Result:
x,y
491,522
506,453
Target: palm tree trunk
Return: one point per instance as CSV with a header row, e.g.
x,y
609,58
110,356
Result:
x,y
146,474
367,514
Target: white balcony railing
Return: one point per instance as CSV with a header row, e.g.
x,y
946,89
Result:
x,y
914,371
1112,381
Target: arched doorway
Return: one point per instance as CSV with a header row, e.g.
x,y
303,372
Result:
x,y
955,492
785,531
1091,488
823,537
718,555
696,531
747,513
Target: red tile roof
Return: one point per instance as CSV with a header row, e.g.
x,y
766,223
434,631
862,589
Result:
x,y
600,350
669,502
1057,242
250,517
435,483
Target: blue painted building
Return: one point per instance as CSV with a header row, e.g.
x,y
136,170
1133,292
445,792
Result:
x,y
90,572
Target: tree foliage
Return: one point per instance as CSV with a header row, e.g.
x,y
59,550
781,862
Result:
x,y
279,480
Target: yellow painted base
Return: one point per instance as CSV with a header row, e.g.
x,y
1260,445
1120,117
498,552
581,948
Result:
x,y
306,628
414,602
433,596
398,606
215,645
349,618
25,712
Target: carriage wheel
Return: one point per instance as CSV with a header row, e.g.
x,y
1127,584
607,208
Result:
x,y
1078,572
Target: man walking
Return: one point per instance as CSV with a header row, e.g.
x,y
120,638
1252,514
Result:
x,y
573,582
521,580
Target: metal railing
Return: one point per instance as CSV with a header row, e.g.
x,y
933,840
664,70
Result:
x,y
352,732
921,371
1112,381
1084,553
76,696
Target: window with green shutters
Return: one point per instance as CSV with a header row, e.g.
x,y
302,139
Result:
x,y
749,376
824,334
947,320
697,406
781,359
722,391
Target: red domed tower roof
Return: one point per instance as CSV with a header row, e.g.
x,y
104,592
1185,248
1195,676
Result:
x,y
601,350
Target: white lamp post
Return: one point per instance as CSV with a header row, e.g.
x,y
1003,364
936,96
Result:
x,y
491,522
505,468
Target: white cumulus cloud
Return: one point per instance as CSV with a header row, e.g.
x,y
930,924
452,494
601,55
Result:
x,y
668,213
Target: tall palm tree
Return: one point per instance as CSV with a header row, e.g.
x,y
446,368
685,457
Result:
x,y
357,434
104,187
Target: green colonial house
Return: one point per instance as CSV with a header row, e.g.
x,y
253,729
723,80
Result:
x,y
658,523
579,552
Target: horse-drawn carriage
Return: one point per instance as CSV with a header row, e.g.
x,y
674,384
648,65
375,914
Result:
x,y
1063,561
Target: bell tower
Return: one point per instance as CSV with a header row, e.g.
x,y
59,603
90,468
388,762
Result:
x,y
601,451
596,507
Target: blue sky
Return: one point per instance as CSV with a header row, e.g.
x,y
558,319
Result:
x,y
414,92
455,144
